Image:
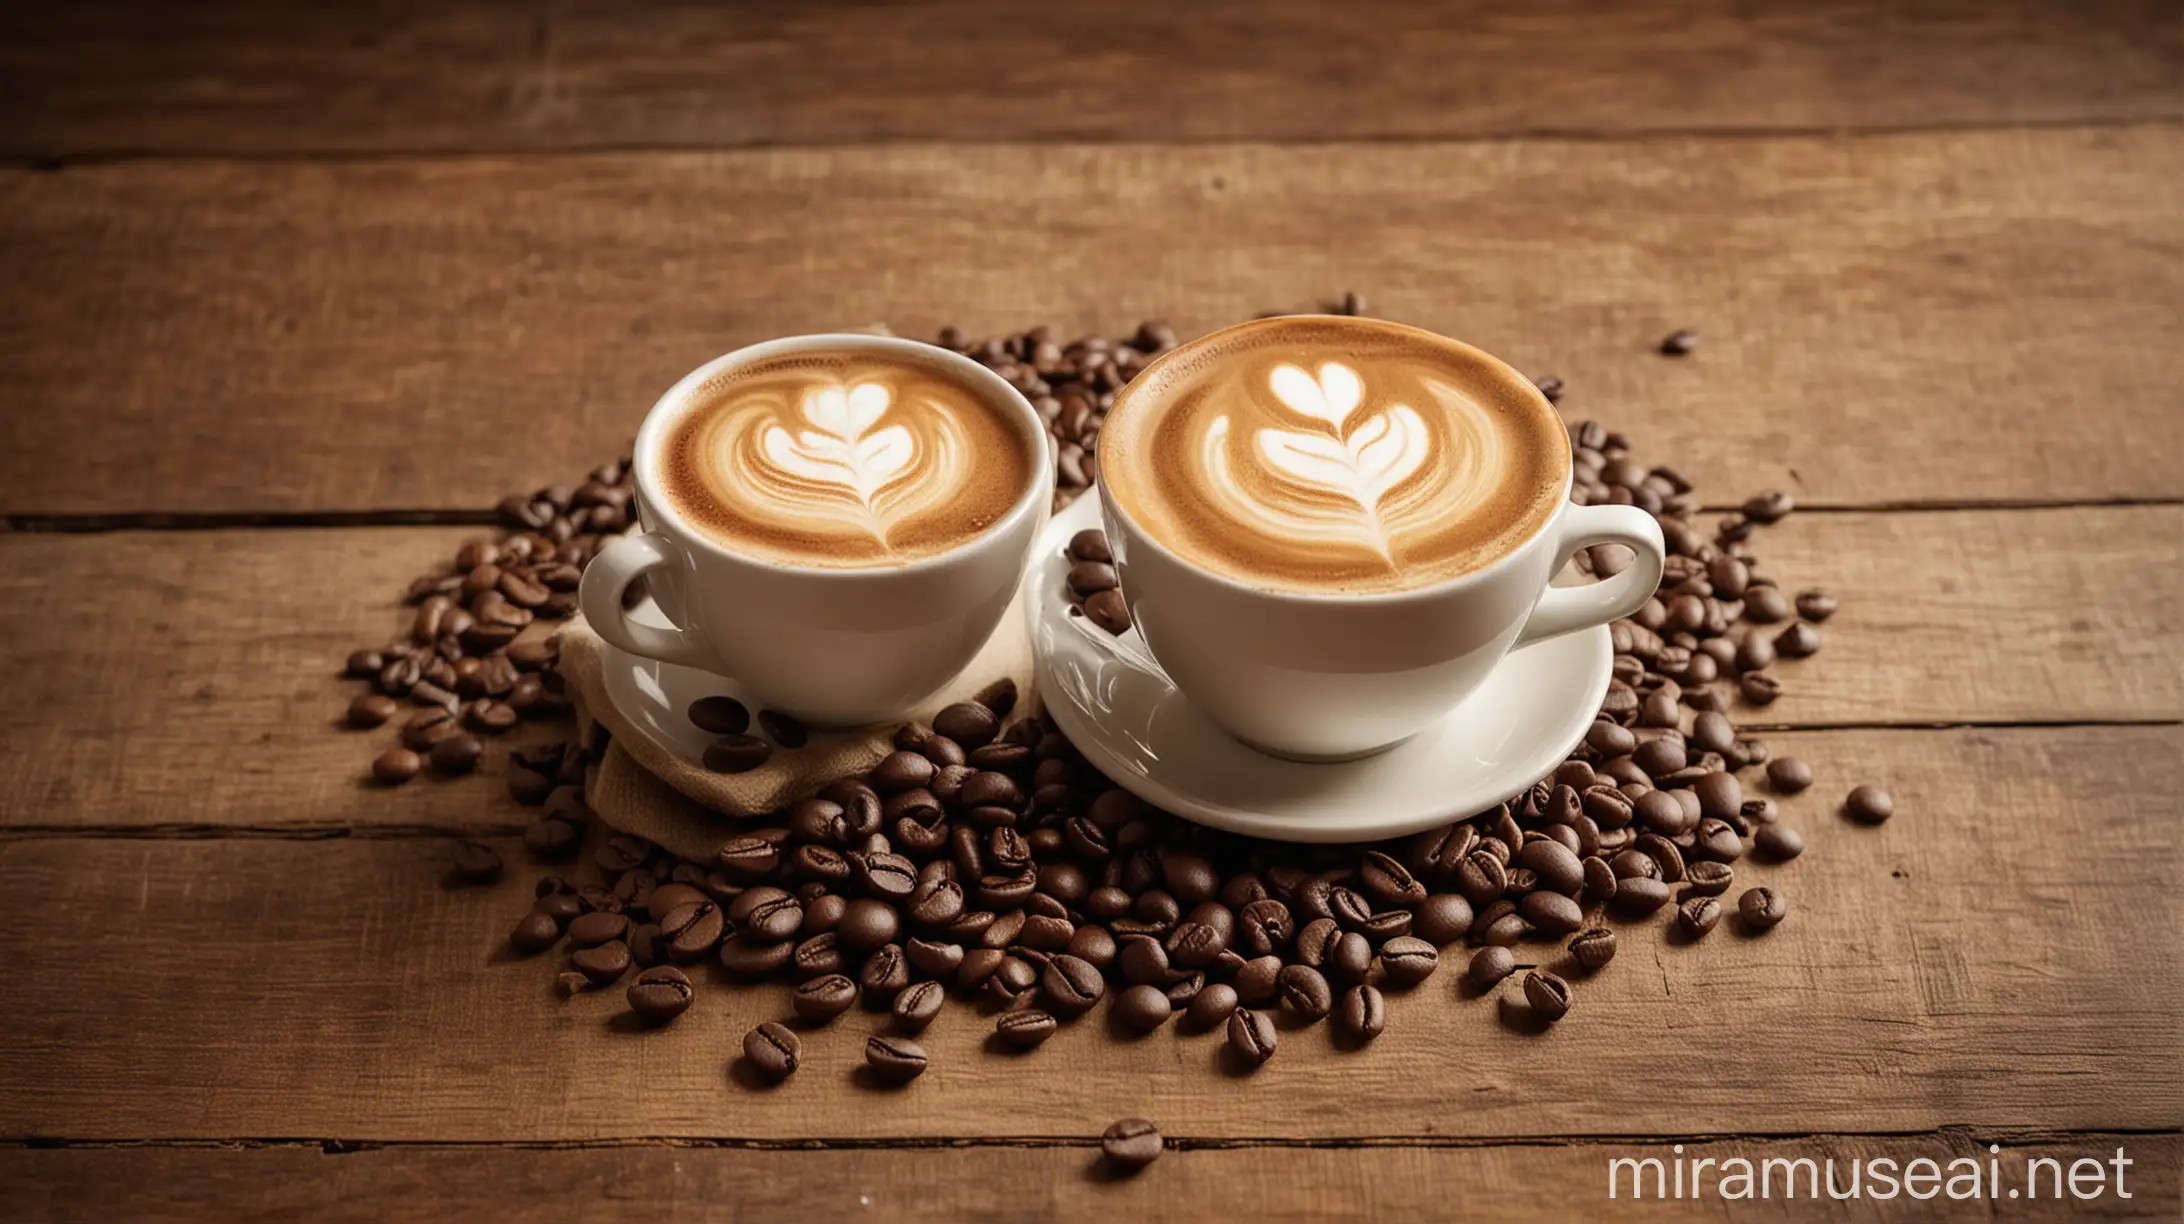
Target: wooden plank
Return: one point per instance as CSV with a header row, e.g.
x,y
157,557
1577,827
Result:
x,y
1277,1185
1942,317
207,661
2007,953
246,76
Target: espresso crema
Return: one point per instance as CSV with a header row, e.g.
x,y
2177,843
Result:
x,y
1330,454
843,459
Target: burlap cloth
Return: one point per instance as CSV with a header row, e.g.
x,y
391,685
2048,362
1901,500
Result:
x,y
639,787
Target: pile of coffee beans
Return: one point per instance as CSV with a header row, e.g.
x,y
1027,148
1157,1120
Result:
x,y
984,861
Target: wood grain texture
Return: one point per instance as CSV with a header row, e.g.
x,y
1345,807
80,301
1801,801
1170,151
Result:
x,y
249,76
2004,954
1937,318
207,662
1276,1185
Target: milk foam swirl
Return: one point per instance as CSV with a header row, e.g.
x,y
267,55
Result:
x,y
1344,454
846,463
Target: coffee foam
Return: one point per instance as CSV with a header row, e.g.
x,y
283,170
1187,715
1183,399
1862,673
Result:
x,y
843,459
1313,453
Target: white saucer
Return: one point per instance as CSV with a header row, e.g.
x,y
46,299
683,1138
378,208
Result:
x,y
1126,717
655,697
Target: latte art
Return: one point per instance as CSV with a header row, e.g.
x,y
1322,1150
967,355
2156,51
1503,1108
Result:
x,y
1334,454
843,460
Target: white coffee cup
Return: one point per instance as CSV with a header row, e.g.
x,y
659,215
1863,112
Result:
x,y
834,647
1333,676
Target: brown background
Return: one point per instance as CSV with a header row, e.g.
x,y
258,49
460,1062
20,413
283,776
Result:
x,y
317,287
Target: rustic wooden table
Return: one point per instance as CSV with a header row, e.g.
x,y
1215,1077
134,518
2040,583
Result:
x,y
291,295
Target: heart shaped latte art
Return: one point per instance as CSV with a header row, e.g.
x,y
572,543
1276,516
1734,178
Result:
x,y
840,449
1333,481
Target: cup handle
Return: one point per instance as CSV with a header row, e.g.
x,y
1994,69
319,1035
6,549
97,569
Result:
x,y
1563,610
606,581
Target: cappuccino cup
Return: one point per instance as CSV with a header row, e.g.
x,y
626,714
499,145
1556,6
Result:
x,y
834,522
1330,530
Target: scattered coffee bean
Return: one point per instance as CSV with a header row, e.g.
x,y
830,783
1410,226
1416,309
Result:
x,y
1548,994
372,710
894,1060
477,863
1489,966
458,755
1778,842
1679,342
1769,507
534,933
1142,1008
1869,804
1251,1036
1131,1144
1815,605
1759,688
917,1006
1212,1005
737,754
1788,775
1799,641
604,964
660,994
1698,916
1108,610
1761,908
773,1050
1071,986
720,716
1364,1012
1304,991
1024,1030
1593,949
396,766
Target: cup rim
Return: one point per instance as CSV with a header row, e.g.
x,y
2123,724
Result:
x,y
1113,505
674,402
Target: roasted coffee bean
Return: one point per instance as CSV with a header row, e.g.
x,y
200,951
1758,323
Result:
x,y
590,930
1190,877
1799,641
967,723
1409,960
1788,775
773,1050
1698,916
902,771
1141,1008
821,955
1554,866
1441,919
1071,986
1593,949
1315,939
604,964
1772,506
396,766
749,858
1251,1037
1761,908
534,933
1349,958
1778,842
1548,995
748,957
737,754
884,974
660,994
1024,1030
477,863
561,907
1193,945
1638,896
867,924
1108,610
1364,1013
1131,1144
822,999
1388,882
1869,804
1304,991
693,928
1258,981
1815,604
894,1060
918,1005
1551,913
1680,342
372,710
720,716
1707,878
1212,1005
1759,688
1489,966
